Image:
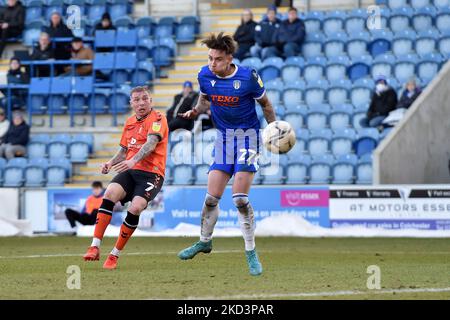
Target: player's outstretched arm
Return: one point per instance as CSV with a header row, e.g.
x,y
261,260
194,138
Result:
x,y
201,107
267,108
144,151
120,156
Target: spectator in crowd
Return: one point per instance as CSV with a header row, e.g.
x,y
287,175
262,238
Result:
x,y
409,94
12,22
383,101
15,75
245,35
4,124
105,23
16,139
264,31
80,52
182,102
88,214
43,51
290,35
58,29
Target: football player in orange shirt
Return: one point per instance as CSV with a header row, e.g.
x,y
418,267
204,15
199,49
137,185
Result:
x,y
140,163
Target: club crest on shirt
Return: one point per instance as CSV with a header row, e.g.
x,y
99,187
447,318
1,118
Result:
x,y
156,126
213,82
236,84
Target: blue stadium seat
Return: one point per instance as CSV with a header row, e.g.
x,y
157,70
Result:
x,y
37,147
337,95
343,171
290,72
335,45
317,117
358,70
144,27
276,174
253,62
334,22
340,116
313,71
38,93
125,64
3,163
379,46
295,118
443,20
423,18
315,95
403,42
56,174
292,97
360,96
417,4
312,46
96,9
53,6
84,138
183,174
269,72
60,89
35,172
337,68
441,4
382,65
297,171
295,60
98,101
185,33
118,8
342,141
428,68
13,172
144,48
191,20
400,19
313,21
359,113
201,174
274,95
163,52
123,23
165,27
404,69
34,10
426,43
320,169
366,142
82,87
364,82
357,44
58,146
105,39
364,170
127,39
144,74
356,21
444,44
319,142
78,151
300,147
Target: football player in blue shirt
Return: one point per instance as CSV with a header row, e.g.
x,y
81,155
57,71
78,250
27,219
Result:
x,y
230,91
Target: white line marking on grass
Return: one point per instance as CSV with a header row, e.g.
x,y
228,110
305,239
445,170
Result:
x,y
318,294
36,256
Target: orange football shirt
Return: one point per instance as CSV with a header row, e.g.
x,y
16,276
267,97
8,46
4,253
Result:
x,y
134,136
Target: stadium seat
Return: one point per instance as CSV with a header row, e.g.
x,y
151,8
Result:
x,y
417,4
58,146
183,175
403,43
273,61
333,22
335,45
290,72
358,70
104,39
125,65
313,71
269,72
336,68
96,9
440,4
81,89
291,97
343,171
366,142
360,95
126,39
37,147
165,27
144,27
144,48
315,95
317,117
313,21
297,171
444,45
342,141
428,68
426,43
123,23
300,147
443,20
312,47
382,65
378,46
404,69
337,95
355,21
400,19
104,62
38,93
60,89
253,62
274,172
319,142
201,174
320,169
340,116
53,6
359,113
357,44
35,172
163,52
364,170
33,10
422,19
117,9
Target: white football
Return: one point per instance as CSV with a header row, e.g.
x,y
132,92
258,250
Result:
x,y
278,137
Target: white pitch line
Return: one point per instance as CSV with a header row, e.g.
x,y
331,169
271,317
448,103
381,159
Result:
x,y
35,256
318,294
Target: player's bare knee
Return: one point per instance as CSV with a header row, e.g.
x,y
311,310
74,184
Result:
x,y
137,206
211,201
241,201
113,193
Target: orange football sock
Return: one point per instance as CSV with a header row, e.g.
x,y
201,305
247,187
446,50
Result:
x,y
101,224
125,234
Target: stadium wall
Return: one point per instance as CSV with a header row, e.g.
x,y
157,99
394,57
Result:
x,y
417,151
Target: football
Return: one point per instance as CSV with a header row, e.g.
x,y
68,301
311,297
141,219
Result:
x,y
278,137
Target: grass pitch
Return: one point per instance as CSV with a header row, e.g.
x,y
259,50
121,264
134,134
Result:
x,y
294,268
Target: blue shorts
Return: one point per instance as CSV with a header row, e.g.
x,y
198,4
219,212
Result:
x,y
237,157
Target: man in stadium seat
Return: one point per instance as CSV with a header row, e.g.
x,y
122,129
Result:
x,y
290,35
182,102
58,29
409,95
43,51
16,139
245,35
15,75
12,21
384,100
80,52
265,46
140,164
4,124
88,214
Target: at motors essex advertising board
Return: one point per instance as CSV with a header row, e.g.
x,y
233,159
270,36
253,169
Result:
x,y
391,207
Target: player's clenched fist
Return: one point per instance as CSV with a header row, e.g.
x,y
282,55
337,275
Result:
x,y
191,114
106,167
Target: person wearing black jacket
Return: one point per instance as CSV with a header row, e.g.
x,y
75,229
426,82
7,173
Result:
x,y
245,35
384,100
290,35
15,76
12,22
16,139
182,103
264,31
43,51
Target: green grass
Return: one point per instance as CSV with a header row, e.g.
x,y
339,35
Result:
x,y
291,266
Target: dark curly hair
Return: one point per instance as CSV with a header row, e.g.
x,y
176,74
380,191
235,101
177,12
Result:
x,y
220,42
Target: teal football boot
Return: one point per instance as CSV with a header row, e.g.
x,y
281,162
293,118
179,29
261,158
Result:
x,y
254,265
197,247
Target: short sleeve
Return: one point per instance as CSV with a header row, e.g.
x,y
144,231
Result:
x,y
200,84
159,127
257,86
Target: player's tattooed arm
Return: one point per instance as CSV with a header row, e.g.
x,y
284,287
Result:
x,y
147,148
120,156
201,107
267,108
